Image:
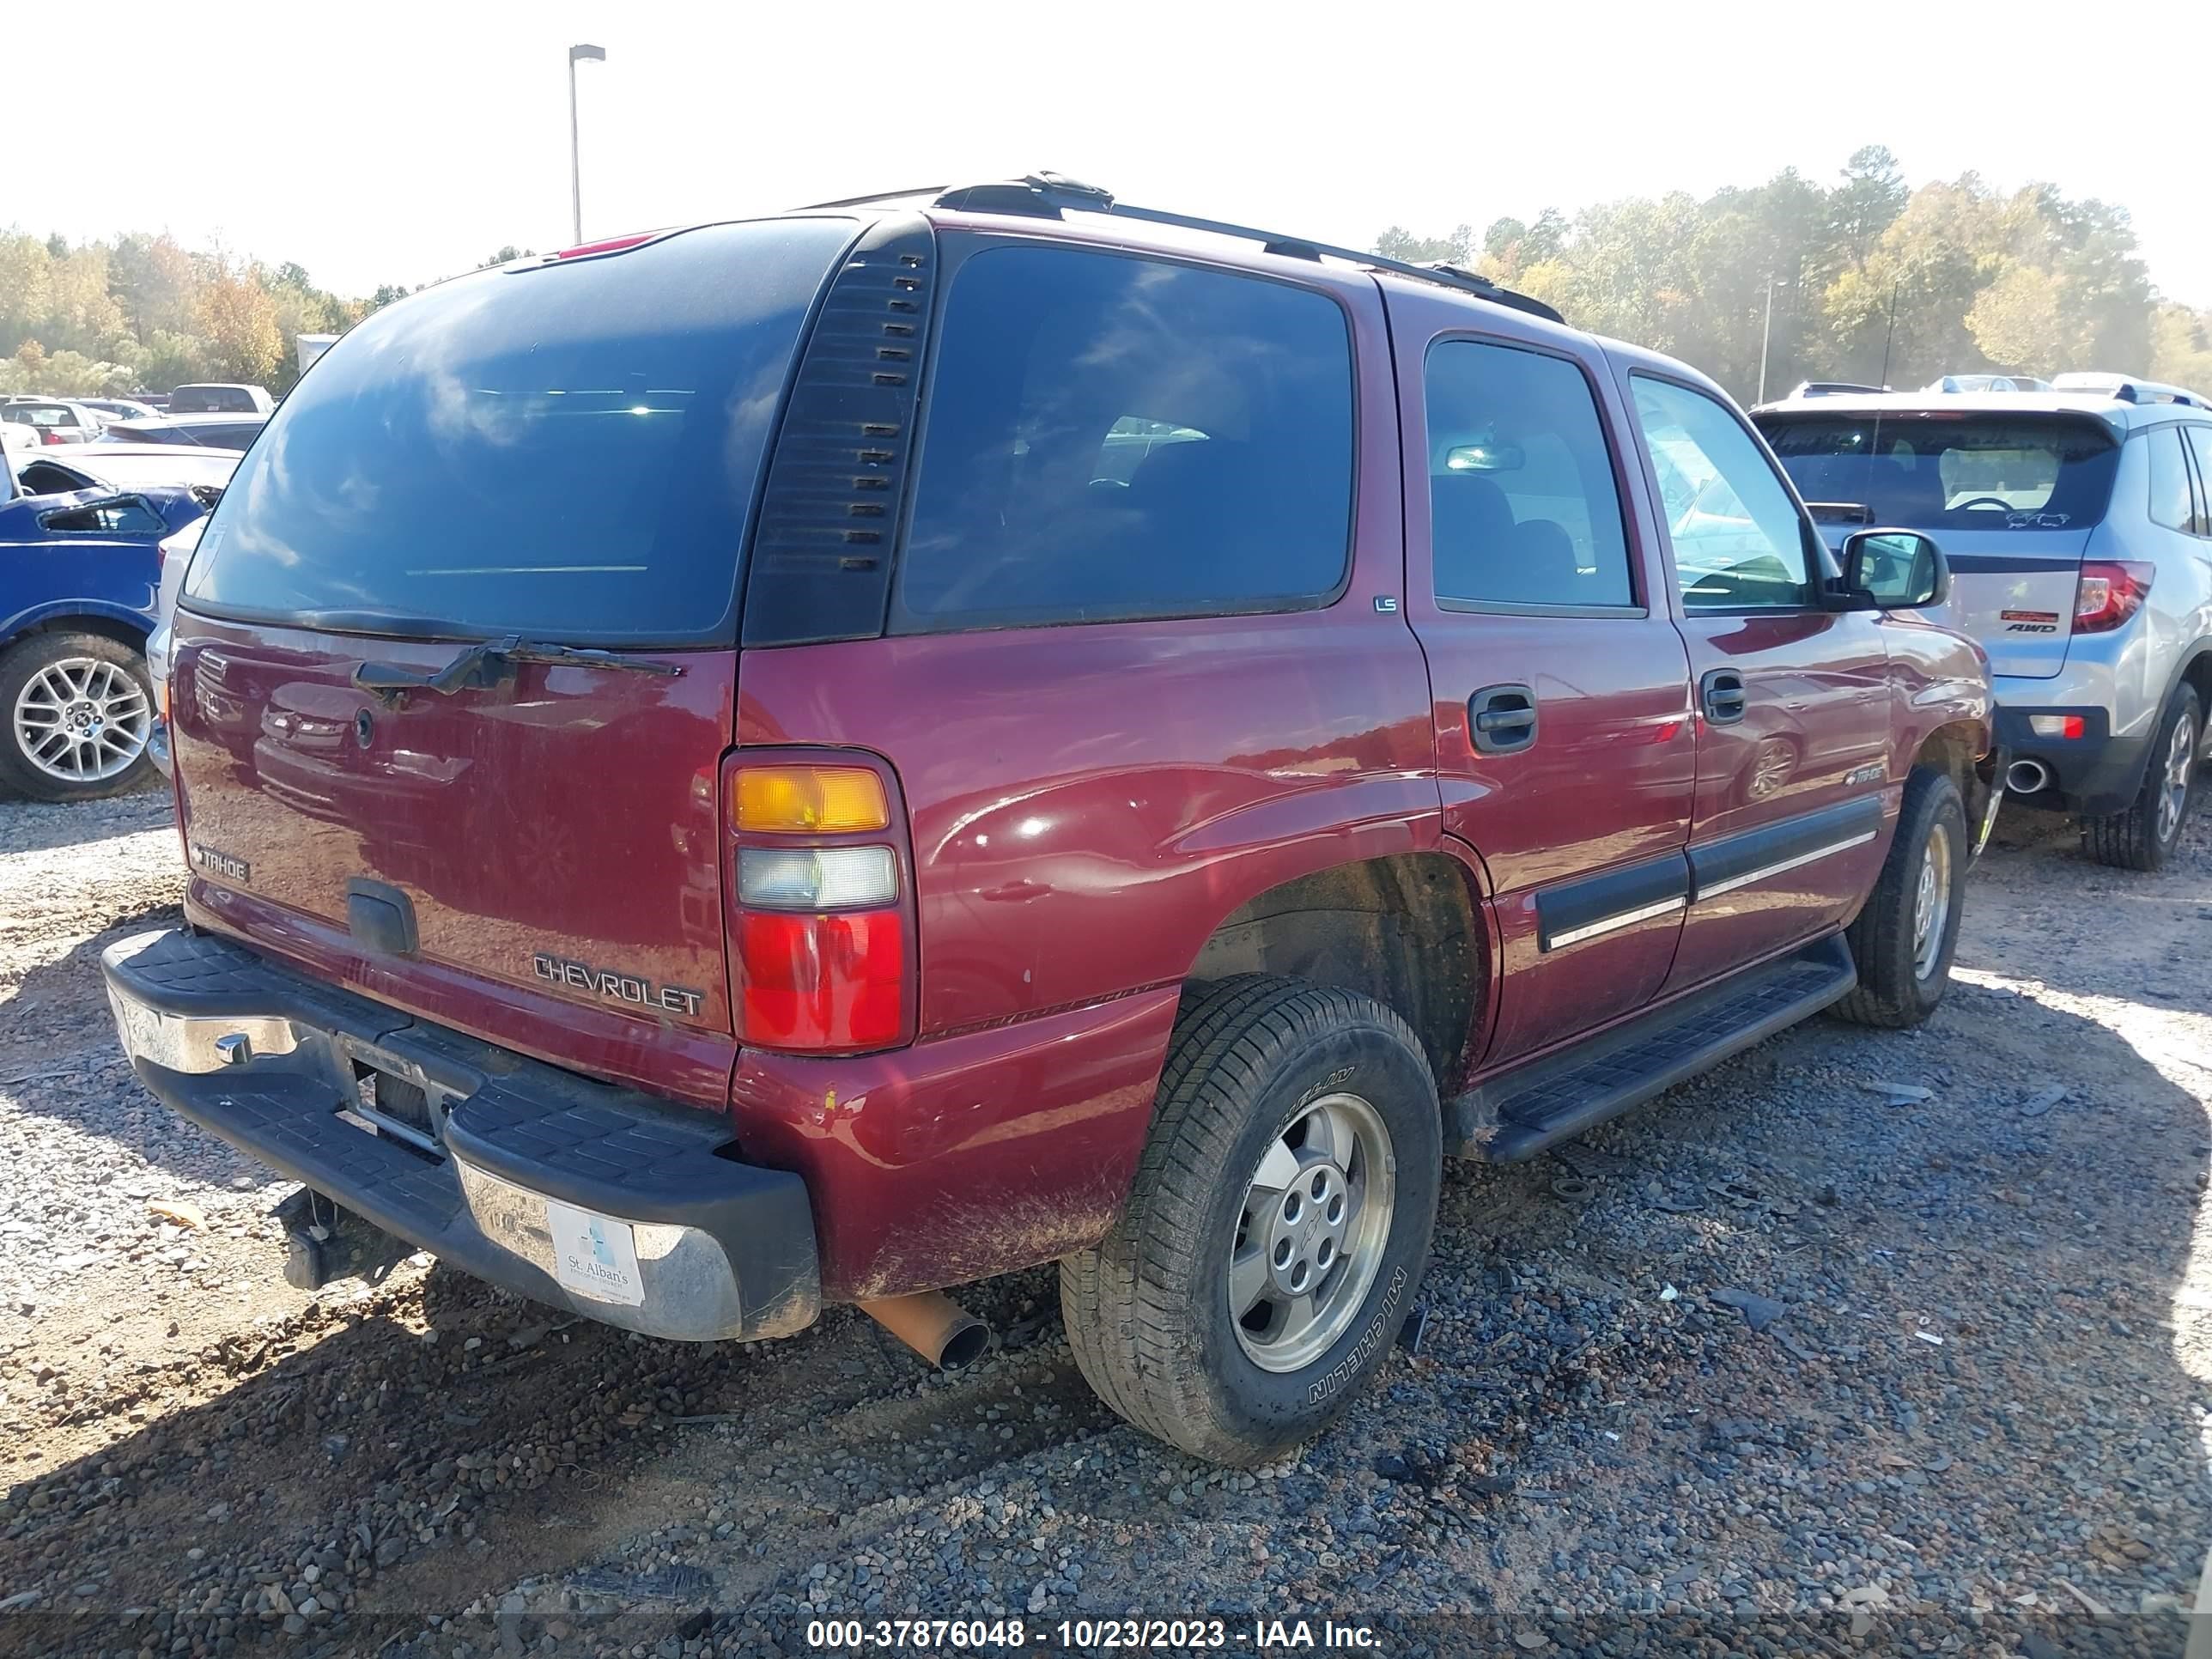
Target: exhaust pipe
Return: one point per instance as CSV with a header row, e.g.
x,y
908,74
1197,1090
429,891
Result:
x,y
933,1325
2027,777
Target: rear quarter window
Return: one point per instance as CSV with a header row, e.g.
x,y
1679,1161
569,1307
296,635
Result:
x,y
1110,437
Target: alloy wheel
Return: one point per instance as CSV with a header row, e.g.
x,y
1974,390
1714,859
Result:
x,y
83,720
2173,793
1310,1236
1931,901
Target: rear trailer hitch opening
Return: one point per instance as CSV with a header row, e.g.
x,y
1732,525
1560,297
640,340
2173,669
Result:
x,y
324,1241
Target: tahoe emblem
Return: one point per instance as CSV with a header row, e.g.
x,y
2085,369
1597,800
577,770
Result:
x,y
220,864
615,986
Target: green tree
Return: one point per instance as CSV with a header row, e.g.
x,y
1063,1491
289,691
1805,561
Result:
x,y
1400,244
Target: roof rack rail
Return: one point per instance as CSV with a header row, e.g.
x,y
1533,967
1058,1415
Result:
x,y
1048,195
2126,388
872,197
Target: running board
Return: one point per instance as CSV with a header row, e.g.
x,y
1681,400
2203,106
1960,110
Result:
x,y
1524,1111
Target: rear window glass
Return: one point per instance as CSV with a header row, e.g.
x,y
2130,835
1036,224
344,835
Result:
x,y
1111,437
210,400
40,414
1973,472
569,453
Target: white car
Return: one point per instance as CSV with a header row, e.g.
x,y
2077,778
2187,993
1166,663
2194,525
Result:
x,y
120,468
176,558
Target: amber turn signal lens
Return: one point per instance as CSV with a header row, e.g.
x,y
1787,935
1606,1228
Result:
x,y
818,801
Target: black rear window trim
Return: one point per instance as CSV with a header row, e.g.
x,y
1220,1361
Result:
x,y
955,249
723,637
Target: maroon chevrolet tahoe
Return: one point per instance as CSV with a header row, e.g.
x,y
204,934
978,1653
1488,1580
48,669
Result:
x,y
821,758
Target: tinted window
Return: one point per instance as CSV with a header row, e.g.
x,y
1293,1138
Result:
x,y
1112,437
210,400
125,516
2200,439
2171,502
1739,539
1970,472
41,414
1522,500
44,478
568,452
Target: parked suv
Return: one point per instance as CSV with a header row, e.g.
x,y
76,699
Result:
x,y
2078,526
819,759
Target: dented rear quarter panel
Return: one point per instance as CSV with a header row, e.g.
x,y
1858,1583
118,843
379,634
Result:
x,y
1087,804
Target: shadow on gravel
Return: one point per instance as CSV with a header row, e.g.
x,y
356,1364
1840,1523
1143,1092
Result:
x,y
413,1470
1971,1411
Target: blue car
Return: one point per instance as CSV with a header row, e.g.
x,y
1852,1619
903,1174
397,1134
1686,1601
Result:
x,y
79,571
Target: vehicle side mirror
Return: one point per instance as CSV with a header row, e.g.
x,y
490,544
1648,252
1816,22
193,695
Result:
x,y
1895,570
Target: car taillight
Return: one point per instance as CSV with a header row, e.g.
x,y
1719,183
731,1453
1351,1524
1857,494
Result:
x,y
2109,593
821,922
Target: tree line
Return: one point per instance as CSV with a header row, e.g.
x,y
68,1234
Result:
x,y
1864,279
142,313
1869,280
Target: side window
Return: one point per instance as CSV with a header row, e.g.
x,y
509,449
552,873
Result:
x,y
125,515
1739,538
2200,440
1521,502
1110,437
2171,501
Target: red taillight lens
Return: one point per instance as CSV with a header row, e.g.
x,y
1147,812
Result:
x,y
2109,593
53,436
822,983
820,904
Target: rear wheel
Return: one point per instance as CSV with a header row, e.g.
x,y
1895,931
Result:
x,y
1278,1226
2144,835
79,709
1905,935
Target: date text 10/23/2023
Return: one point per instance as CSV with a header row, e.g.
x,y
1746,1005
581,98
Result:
x,y
1089,1635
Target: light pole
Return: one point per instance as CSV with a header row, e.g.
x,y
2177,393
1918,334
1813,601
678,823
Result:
x,y
576,55
1765,333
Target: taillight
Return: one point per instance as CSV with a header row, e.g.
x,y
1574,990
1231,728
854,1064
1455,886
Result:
x,y
2109,593
822,924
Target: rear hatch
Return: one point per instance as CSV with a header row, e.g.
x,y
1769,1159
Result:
x,y
455,661
2011,497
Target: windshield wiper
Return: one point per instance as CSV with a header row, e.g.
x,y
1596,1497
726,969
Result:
x,y
490,661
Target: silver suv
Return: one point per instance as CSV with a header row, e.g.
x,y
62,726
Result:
x,y
2078,526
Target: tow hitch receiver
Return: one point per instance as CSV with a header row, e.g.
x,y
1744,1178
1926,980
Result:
x,y
323,1241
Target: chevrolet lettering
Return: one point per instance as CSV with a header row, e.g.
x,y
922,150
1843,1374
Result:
x,y
617,986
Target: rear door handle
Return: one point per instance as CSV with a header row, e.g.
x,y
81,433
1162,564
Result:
x,y
1721,691
1502,719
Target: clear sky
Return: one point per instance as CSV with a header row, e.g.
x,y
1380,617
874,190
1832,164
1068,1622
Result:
x,y
400,142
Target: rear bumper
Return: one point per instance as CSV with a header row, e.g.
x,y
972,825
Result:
x,y
2094,773
268,1059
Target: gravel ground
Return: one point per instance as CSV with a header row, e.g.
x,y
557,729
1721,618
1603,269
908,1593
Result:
x,y
1863,1343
